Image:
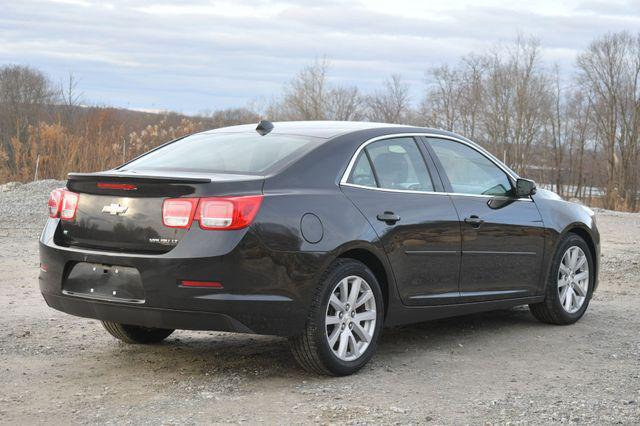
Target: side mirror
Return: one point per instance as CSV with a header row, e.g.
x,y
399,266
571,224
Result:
x,y
525,188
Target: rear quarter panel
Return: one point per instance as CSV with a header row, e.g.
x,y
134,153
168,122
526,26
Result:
x,y
311,186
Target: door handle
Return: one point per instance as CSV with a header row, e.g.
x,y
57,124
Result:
x,y
474,221
390,218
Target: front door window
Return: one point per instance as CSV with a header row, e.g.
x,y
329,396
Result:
x,y
469,171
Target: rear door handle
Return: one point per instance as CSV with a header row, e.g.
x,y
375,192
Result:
x,y
474,221
390,218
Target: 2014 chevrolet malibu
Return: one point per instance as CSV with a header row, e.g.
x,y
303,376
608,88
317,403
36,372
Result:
x,y
319,231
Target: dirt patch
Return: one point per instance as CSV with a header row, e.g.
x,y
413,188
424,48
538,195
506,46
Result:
x,y
495,367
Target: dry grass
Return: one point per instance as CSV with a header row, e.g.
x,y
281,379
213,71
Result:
x,y
99,142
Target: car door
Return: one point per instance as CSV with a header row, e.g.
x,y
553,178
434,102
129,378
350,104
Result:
x,y
389,182
502,236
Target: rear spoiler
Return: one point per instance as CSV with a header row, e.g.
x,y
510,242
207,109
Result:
x,y
134,177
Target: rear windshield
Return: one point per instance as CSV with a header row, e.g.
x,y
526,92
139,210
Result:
x,y
244,153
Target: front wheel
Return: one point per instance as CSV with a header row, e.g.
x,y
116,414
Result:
x,y
344,322
569,285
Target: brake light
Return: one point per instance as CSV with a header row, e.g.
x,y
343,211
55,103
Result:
x,y
178,212
220,213
63,204
69,205
209,284
122,186
228,212
55,203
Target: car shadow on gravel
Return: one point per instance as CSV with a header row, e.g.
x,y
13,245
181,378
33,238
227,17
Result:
x,y
212,353
461,326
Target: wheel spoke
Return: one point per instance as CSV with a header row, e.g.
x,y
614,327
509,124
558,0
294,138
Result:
x,y
334,336
564,268
344,291
581,261
581,276
364,297
332,319
568,303
362,334
336,303
365,316
573,253
580,290
355,291
563,282
563,294
343,345
353,344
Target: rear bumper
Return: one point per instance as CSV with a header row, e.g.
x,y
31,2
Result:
x,y
264,291
144,315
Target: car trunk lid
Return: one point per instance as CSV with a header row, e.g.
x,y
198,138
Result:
x,y
122,210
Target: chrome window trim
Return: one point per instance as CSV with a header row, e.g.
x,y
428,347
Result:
x,y
457,194
480,150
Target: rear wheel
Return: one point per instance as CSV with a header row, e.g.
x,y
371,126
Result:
x,y
344,322
136,334
569,285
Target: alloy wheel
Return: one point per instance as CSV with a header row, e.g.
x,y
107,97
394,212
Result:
x,y
573,279
350,319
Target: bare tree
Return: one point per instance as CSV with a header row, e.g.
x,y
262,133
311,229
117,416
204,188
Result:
x,y
309,96
579,135
70,96
24,92
609,75
345,104
306,96
391,104
70,99
558,119
442,104
517,100
501,98
454,98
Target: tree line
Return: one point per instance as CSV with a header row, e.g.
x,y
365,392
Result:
x,y
575,131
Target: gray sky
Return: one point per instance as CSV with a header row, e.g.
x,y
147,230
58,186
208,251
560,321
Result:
x,y
194,55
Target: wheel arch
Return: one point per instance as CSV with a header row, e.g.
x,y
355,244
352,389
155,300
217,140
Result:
x,y
583,232
371,260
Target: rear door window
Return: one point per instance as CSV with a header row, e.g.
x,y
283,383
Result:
x,y
362,173
246,153
398,164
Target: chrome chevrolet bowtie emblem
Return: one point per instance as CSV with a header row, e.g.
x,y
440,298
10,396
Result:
x,y
114,209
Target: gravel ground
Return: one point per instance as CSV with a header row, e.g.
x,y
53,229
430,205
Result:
x,y
498,367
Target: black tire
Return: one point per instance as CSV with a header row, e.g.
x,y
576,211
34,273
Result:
x,y
311,349
550,310
136,334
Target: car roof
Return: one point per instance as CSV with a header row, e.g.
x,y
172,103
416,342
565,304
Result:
x,y
319,129
332,129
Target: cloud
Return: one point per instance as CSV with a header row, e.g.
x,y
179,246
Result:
x,y
198,54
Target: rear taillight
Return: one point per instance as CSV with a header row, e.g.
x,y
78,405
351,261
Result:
x,y
63,204
55,203
228,213
178,212
221,213
69,205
